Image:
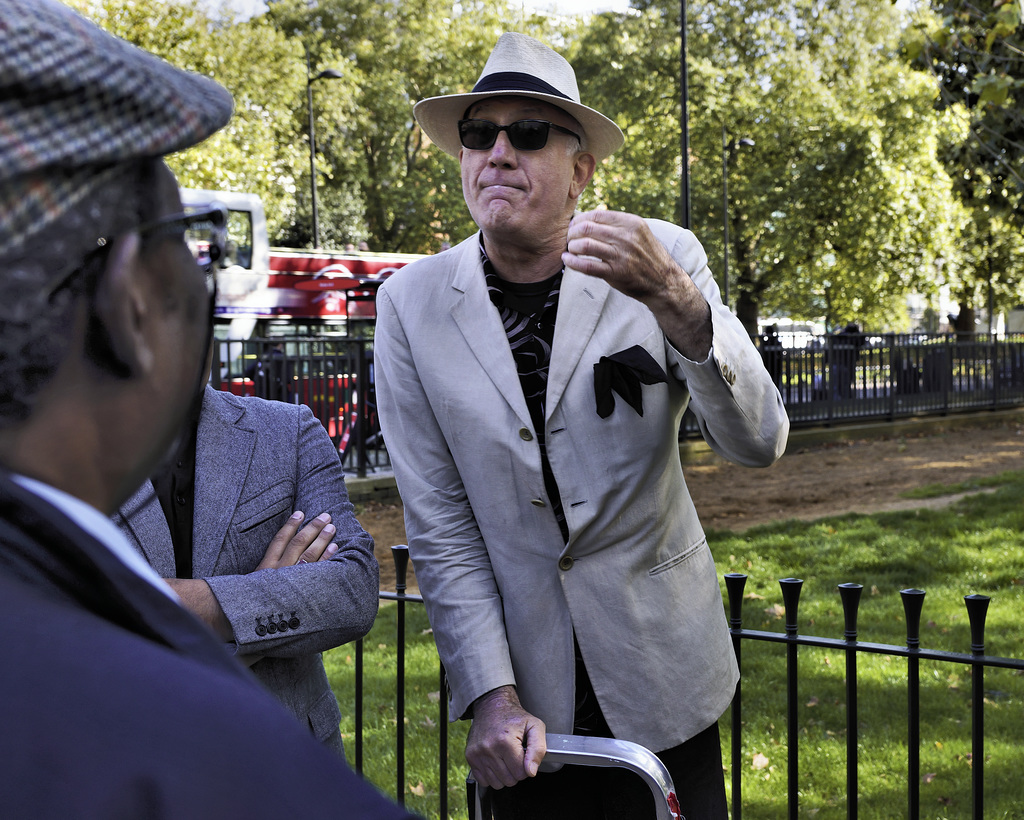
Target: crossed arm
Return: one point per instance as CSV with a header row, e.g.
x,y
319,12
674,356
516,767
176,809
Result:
x,y
289,547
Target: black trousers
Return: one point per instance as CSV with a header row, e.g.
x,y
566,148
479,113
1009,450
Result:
x,y
592,793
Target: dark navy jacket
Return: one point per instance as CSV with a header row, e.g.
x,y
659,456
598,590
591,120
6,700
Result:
x,y
116,703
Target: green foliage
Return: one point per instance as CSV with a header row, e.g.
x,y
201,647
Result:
x,y
975,52
627,67
408,194
840,208
843,205
256,151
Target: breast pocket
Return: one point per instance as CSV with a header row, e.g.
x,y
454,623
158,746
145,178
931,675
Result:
x,y
257,520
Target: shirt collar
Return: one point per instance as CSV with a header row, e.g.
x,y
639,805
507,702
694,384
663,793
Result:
x,y
99,526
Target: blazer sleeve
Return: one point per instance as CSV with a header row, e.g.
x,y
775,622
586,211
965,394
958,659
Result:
x,y
464,604
306,608
737,406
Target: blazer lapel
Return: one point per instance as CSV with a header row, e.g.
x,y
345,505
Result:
x,y
147,529
580,304
481,326
224,449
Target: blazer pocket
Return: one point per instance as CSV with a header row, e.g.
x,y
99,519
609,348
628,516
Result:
x,y
679,557
324,716
266,506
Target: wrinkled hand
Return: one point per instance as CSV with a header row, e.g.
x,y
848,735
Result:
x,y
306,546
621,249
506,743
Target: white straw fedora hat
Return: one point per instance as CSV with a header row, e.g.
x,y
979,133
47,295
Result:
x,y
523,67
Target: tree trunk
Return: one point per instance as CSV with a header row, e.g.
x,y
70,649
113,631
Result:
x,y
746,312
965,323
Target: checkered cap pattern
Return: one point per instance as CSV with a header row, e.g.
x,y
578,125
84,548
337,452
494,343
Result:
x,y
75,103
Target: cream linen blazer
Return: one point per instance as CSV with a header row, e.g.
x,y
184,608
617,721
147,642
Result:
x,y
636,580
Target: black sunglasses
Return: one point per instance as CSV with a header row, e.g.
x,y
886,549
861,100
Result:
x,y
525,135
203,230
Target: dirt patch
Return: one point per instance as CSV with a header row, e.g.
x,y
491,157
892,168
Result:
x,y
862,476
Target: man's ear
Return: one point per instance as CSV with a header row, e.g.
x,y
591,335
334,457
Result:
x,y
117,338
582,173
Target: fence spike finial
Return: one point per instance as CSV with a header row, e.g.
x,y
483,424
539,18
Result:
x,y
850,595
977,611
791,599
734,583
913,603
400,554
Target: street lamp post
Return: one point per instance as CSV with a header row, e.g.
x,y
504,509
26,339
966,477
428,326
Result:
x,y
326,74
684,121
728,148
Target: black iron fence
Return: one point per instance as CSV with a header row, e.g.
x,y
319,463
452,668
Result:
x,y
908,691
852,648
332,375
830,381
849,378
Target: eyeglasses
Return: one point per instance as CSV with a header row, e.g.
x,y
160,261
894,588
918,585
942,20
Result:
x,y
204,230
525,135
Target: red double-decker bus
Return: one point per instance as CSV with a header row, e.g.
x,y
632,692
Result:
x,y
313,291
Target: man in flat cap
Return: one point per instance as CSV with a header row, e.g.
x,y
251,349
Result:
x,y
115,702
530,383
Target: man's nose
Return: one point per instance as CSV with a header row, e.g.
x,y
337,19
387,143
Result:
x,y
502,152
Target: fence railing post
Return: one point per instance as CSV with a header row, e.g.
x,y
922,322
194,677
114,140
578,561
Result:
x,y
400,554
359,705
791,600
734,583
913,603
850,595
442,742
977,611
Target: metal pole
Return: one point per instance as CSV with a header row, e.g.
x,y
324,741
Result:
x,y
684,123
312,154
725,218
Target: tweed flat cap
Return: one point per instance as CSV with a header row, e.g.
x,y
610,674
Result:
x,y
76,103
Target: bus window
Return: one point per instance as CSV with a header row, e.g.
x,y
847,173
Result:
x,y
239,244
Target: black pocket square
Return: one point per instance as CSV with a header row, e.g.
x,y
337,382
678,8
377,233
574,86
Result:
x,y
625,372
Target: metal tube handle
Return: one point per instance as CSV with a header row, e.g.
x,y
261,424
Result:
x,y
609,752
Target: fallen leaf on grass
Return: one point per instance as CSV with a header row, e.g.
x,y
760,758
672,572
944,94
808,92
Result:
x,y
759,761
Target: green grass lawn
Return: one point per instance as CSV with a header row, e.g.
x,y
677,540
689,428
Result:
x,y
974,546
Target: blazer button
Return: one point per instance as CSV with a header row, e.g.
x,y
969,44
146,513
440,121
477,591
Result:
x,y
538,502
525,434
565,563
293,622
261,630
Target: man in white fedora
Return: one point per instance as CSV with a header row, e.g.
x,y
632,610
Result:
x,y
531,382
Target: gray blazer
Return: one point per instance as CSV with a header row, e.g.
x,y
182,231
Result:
x,y
256,462
636,581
